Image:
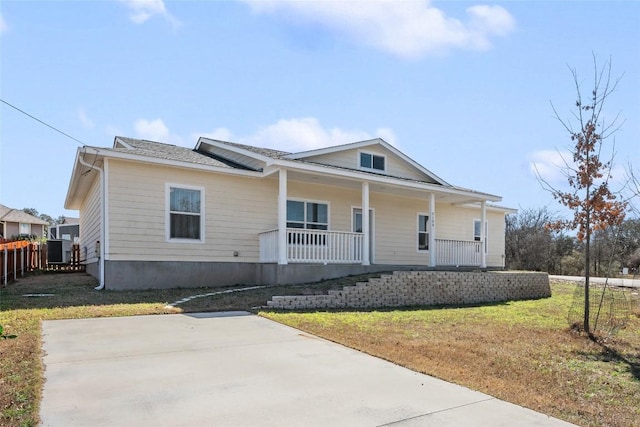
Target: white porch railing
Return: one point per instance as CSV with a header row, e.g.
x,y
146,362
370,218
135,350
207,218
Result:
x,y
317,246
458,252
340,247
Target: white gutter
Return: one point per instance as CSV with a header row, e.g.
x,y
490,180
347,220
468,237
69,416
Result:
x,y
102,216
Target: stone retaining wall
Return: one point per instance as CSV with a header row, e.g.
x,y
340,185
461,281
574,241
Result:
x,y
415,288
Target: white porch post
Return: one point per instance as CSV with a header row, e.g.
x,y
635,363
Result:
x,y
432,231
365,224
483,233
282,217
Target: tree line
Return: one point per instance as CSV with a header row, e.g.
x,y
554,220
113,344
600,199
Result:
x,y
530,244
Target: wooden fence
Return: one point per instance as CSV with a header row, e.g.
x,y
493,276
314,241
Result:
x,y
20,257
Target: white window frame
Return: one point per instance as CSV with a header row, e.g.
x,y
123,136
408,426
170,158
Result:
x,y
168,238
305,201
21,226
476,237
428,231
371,169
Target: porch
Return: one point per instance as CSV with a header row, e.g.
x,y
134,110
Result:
x,y
340,247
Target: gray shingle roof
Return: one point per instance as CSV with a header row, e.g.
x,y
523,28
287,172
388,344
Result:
x,y
14,215
177,153
173,152
166,151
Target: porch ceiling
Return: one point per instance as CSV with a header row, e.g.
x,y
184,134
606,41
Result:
x,y
409,188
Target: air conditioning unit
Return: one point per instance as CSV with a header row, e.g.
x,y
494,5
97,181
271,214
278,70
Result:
x,y
58,251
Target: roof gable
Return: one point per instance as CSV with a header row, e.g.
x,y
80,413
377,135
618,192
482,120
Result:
x,y
398,164
247,156
15,215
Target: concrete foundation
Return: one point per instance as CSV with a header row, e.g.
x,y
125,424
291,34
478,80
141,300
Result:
x,y
122,275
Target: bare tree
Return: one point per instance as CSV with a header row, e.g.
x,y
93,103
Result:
x,y
594,206
633,189
529,244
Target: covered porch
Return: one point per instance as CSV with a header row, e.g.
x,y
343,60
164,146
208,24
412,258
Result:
x,y
328,243
339,247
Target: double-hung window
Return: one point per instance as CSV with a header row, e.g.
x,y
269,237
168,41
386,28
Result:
x,y
185,213
372,162
309,215
423,232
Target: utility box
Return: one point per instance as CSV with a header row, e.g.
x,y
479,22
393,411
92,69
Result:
x,y
58,251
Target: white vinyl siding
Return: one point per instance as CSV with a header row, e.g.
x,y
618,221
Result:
x,y
341,200
236,210
395,238
456,222
396,229
90,217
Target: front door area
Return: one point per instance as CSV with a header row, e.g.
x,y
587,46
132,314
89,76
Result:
x,y
357,228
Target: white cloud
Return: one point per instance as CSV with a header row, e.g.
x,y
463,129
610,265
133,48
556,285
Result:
x,y
143,10
304,134
409,28
153,130
3,25
156,130
84,119
387,134
112,131
551,165
300,134
221,134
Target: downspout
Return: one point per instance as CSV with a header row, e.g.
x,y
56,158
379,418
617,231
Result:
x,y
102,233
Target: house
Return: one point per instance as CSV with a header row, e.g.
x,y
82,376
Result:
x,y
68,229
155,215
15,223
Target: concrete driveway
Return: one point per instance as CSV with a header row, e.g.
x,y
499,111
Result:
x,y
237,369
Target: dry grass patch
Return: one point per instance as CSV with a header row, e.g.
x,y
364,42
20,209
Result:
x,y
522,352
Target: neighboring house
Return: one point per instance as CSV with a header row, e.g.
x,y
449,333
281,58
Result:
x,y
68,229
15,223
155,215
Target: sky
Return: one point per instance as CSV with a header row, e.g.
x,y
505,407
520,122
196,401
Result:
x,y
464,88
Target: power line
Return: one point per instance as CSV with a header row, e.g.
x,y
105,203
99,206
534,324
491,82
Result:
x,y
38,120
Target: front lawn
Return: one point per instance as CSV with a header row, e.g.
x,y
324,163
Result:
x,y
522,352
